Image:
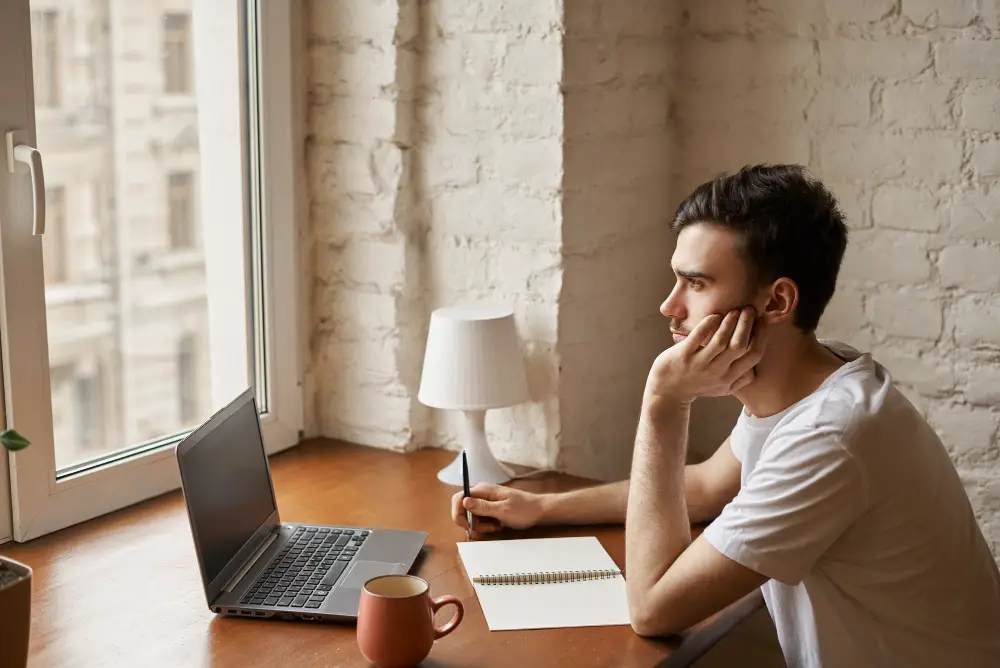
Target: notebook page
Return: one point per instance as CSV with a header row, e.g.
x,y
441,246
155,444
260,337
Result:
x,y
540,606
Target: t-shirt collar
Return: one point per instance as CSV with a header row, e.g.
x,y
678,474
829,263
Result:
x,y
854,361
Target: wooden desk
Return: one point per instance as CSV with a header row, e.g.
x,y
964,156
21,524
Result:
x,y
124,589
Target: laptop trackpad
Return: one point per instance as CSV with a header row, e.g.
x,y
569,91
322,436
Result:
x,y
363,571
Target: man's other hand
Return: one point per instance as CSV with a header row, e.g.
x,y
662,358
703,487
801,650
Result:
x,y
716,359
494,507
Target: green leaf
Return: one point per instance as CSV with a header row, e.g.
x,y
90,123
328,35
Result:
x,y
13,441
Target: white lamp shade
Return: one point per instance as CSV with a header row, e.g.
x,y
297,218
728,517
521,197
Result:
x,y
473,360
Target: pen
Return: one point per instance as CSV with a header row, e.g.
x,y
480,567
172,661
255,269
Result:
x,y
465,482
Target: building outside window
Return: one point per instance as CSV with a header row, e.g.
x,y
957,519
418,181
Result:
x,y
180,207
88,410
187,380
177,53
45,57
55,258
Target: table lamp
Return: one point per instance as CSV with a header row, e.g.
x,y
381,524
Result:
x,y
473,363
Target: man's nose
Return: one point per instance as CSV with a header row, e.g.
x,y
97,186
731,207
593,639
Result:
x,y
672,307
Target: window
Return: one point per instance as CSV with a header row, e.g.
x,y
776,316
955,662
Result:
x,y
55,260
180,209
187,379
88,410
103,422
45,57
79,412
176,53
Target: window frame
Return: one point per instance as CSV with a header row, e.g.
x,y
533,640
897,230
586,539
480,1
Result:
x,y
6,517
41,503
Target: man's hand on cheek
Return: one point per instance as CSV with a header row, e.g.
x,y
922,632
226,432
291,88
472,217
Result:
x,y
716,359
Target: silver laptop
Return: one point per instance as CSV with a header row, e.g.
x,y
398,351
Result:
x,y
252,563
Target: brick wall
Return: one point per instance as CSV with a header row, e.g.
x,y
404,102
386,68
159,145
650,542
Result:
x,y
897,106
437,135
434,149
357,123
616,206
532,151
491,139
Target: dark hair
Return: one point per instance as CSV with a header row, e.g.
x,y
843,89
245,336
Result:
x,y
788,223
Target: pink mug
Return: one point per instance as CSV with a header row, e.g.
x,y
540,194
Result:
x,y
396,620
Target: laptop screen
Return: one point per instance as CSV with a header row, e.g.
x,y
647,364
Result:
x,y
227,485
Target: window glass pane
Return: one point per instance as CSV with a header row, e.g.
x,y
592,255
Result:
x,y
54,241
181,209
187,379
45,56
88,408
126,292
176,50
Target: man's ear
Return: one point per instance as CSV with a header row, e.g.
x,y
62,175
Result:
x,y
783,299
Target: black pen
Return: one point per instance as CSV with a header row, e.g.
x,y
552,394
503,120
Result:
x,y
465,482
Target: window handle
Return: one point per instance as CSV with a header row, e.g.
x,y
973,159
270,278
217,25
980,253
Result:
x,y
31,157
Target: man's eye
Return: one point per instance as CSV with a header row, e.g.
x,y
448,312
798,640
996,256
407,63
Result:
x,y
696,285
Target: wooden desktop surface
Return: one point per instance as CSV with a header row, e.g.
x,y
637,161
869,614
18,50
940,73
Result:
x,y
124,589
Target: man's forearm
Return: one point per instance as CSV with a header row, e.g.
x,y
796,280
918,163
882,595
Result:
x,y
601,504
657,527
606,504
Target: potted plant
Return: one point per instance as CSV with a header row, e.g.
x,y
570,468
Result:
x,y
15,591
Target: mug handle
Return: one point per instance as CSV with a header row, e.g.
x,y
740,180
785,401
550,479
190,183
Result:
x,y
438,603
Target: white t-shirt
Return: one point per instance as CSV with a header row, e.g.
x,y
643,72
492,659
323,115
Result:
x,y
851,504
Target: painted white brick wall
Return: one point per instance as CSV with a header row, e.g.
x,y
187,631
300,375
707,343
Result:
x,y
897,106
357,127
533,150
434,159
490,152
616,207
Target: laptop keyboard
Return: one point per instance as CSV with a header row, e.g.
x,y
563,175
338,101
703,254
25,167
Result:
x,y
304,572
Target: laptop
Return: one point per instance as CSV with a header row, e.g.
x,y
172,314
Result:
x,y
252,563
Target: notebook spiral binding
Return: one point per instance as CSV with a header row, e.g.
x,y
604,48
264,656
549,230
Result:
x,y
546,577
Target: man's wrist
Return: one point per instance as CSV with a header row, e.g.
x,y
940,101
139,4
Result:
x,y
660,405
663,424
546,507
659,392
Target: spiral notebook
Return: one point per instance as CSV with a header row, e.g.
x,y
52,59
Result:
x,y
543,583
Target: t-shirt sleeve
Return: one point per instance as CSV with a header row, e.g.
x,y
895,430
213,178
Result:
x,y
804,491
736,441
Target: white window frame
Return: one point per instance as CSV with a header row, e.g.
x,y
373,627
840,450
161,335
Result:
x,y
40,503
6,520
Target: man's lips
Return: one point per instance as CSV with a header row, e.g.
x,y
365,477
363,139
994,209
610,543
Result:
x,y
678,335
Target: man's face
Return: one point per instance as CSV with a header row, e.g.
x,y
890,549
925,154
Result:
x,y
711,278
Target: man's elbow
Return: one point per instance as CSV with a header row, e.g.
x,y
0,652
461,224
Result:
x,y
651,621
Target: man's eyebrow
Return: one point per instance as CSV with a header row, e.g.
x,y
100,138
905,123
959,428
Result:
x,y
693,274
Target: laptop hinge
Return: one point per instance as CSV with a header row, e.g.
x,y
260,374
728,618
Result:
x,y
233,581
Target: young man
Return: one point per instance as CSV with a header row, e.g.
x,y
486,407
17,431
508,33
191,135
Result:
x,y
831,493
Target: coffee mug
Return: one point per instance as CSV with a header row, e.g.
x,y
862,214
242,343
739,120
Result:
x,y
396,620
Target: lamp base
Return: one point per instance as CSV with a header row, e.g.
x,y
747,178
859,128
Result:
x,y
490,471
483,466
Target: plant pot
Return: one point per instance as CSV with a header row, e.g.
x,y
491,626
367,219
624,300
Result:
x,y
15,611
